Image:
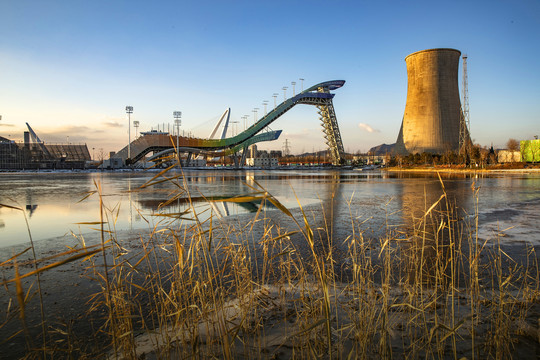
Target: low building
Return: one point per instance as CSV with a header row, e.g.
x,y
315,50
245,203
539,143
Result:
x,y
508,156
263,162
26,155
13,156
112,163
370,159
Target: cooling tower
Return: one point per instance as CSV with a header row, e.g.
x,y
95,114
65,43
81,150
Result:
x,y
431,121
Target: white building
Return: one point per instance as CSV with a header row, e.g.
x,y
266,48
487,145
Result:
x,y
506,156
262,162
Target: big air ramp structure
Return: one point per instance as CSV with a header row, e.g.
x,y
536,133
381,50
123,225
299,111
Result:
x,y
432,118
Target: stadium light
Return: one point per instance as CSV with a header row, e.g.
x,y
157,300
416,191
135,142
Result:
x,y
136,126
255,114
129,111
275,95
178,122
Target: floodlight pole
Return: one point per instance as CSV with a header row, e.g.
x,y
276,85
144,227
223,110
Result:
x,y
255,115
129,111
136,125
177,121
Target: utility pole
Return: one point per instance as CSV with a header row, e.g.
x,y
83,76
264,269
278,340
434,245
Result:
x,y
286,148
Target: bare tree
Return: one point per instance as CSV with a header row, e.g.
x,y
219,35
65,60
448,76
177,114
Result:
x,y
512,145
101,155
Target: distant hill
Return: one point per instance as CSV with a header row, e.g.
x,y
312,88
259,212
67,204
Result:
x,y
316,153
382,149
321,153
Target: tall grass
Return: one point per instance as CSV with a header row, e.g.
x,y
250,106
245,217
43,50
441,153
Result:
x,y
275,287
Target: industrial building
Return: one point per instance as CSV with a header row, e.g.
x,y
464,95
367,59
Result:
x,y
433,117
35,154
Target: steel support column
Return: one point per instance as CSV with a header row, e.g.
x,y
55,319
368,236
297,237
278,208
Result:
x,y
243,159
331,129
235,160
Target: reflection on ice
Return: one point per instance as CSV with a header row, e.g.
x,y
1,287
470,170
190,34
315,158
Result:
x,y
335,198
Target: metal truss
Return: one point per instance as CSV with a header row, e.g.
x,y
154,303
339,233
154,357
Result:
x,y
464,124
464,137
331,129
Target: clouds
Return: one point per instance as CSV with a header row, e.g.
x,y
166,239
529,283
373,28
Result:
x,y
112,124
75,134
368,128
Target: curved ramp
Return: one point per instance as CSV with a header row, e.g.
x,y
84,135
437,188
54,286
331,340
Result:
x,y
318,95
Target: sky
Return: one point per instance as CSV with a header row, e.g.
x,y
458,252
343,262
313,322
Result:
x,y
69,68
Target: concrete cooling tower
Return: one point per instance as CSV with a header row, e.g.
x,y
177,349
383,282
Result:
x,y
431,122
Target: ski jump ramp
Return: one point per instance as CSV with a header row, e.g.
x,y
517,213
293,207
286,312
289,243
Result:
x,y
318,95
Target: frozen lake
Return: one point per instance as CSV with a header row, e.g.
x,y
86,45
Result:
x,y
51,201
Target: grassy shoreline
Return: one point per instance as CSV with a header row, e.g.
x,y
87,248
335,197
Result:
x,y
463,170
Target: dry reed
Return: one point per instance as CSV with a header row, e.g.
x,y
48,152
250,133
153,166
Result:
x,y
268,289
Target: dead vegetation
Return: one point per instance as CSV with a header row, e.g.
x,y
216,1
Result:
x,y
223,289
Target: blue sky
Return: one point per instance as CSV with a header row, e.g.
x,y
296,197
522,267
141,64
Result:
x,y
69,68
